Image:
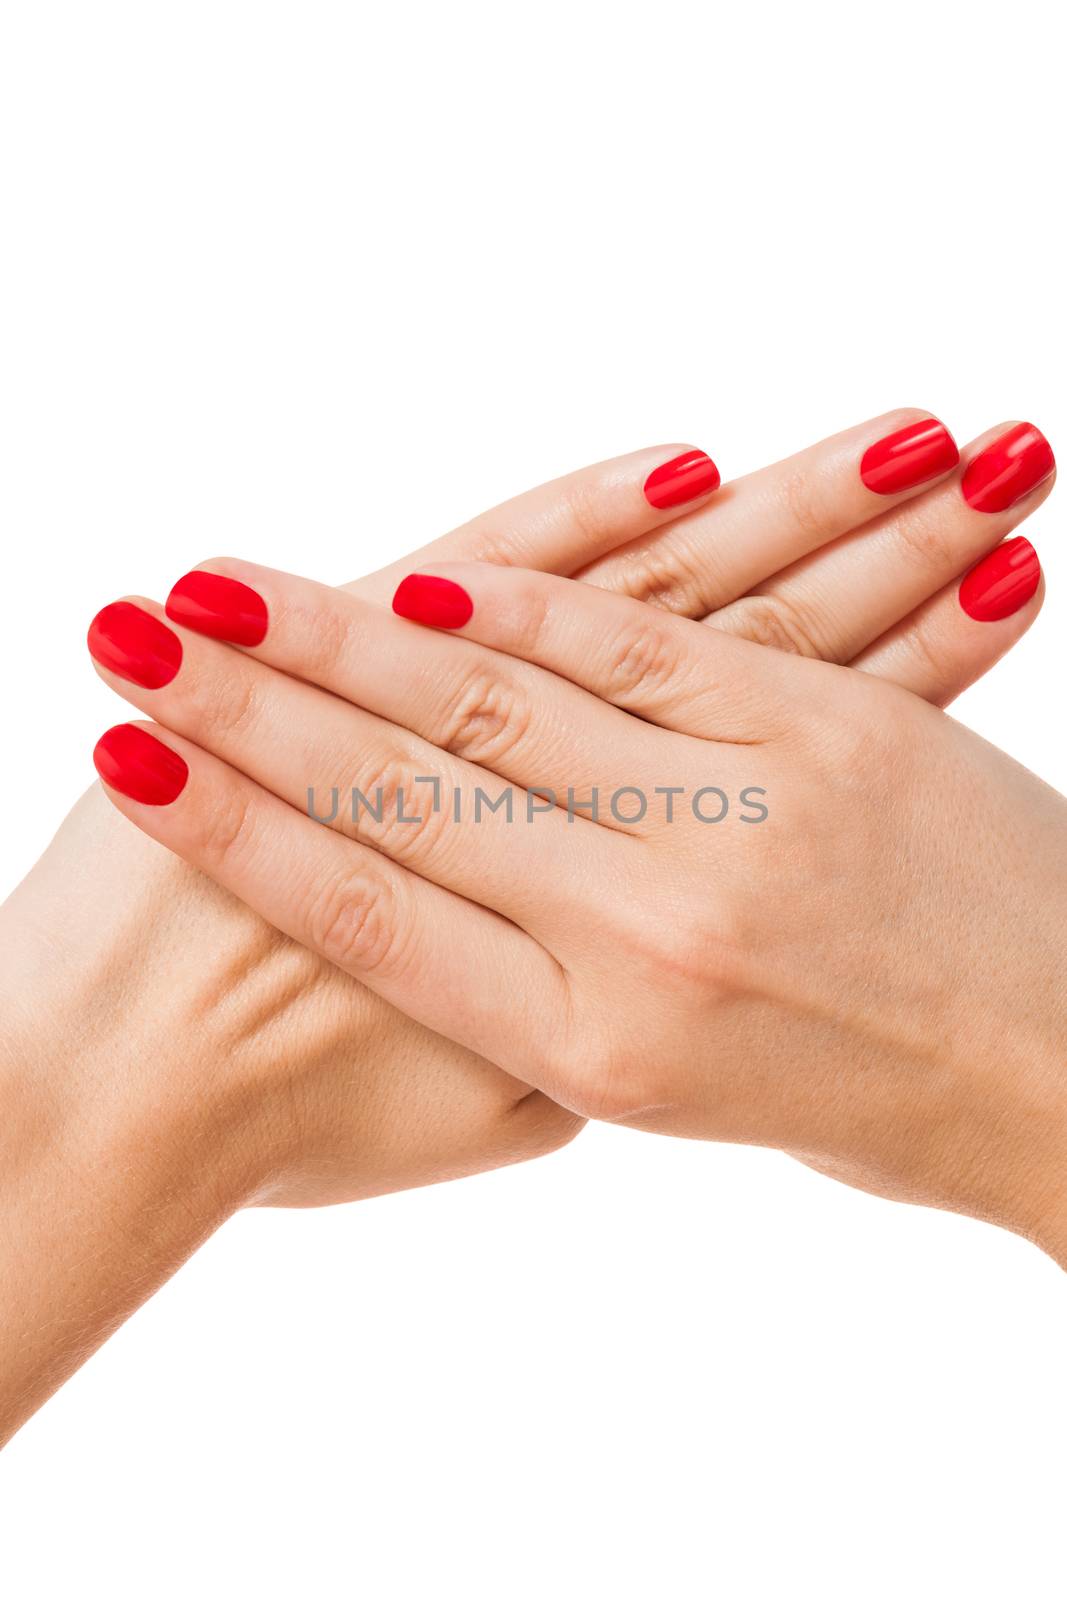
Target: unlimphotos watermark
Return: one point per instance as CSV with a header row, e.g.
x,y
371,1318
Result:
x,y
628,805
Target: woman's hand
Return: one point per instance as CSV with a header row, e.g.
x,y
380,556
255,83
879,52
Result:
x,y
166,1057
365,1120
846,539
811,912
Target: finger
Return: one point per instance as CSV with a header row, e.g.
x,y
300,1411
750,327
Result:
x,y
563,525
451,822
437,957
958,634
761,523
668,670
474,703
838,600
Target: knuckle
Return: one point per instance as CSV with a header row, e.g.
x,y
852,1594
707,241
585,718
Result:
x,y
529,626
590,1067
333,636
805,502
226,826
488,719
353,923
234,703
402,817
588,510
686,948
700,961
930,660
665,575
778,622
926,541
645,658
611,1082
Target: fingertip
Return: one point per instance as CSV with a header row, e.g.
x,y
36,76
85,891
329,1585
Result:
x,y
433,601
909,457
128,639
1002,583
219,606
685,477
132,761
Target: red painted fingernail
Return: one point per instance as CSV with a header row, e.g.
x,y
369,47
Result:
x,y
220,607
685,478
1008,468
140,766
1002,582
437,601
912,455
134,644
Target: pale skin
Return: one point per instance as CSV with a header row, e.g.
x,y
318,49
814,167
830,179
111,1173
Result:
x,y
195,1059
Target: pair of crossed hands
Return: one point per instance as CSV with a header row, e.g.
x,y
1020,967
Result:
x,y
751,883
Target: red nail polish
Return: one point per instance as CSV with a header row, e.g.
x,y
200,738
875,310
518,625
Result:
x,y
140,766
135,645
685,478
220,607
1008,468
912,455
436,601
1002,582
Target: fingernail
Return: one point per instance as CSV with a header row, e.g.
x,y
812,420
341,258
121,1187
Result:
x,y
134,644
1002,582
140,766
1008,468
436,601
220,607
912,455
685,478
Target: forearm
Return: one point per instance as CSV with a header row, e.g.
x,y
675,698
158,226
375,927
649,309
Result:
x,y
100,1204
166,1057
110,1176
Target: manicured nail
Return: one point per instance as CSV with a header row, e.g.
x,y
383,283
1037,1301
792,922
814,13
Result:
x,y
135,645
1002,582
220,607
1008,468
140,766
685,478
436,601
912,455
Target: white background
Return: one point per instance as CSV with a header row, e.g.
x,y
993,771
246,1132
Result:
x,y
311,283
